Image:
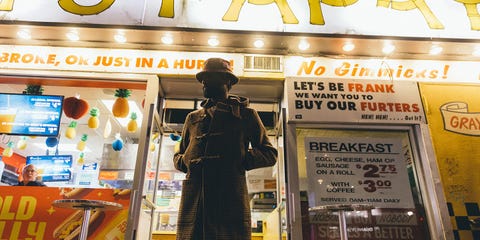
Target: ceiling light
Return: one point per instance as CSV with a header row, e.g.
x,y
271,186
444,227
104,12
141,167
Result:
x,y
435,50
347,47
259,43
73,35
213,41
388,48
476,52
167,39
24,34
303,45
120,38
63,147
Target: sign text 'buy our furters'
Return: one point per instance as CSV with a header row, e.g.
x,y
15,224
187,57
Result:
x,y
337,100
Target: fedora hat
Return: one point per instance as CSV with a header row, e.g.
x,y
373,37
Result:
x,y
217,65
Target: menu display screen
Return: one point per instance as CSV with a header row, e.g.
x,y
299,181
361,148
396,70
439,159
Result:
x,y
52,168
37,115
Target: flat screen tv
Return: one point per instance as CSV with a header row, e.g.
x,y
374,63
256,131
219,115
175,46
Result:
x,y
30,115
52,168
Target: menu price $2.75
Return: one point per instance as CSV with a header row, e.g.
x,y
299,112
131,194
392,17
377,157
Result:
x,y
374,173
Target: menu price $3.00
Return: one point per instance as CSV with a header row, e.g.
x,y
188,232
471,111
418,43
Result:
x,y
375,171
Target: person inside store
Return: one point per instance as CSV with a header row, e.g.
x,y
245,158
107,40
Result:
x,y
219,143
30,177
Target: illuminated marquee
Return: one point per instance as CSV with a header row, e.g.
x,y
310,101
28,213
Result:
x,y
316,14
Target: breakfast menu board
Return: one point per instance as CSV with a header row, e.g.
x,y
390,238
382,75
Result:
x,y
22,114
357,171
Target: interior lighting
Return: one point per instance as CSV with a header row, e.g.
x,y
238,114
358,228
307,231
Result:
x,y
24,34
476,52
63,147
213,41
259,43
303,45
167,39
435,50
120,38
347,47
73,35
388,48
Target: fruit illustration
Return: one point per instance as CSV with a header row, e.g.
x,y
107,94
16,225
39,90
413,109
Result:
x,y
117,145
152,141
74,107
71,132
93,120
8,151
132,124
33,89
83,141
81,159
120,107
22,143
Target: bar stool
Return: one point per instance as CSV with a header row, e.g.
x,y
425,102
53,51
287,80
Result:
x,y
87,206
341,209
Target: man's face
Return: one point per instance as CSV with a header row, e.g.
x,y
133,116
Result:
x,y
215,86
30,174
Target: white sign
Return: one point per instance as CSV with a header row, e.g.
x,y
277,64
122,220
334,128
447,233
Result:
x,y
408,18
334,100
110,60
357,171
383,69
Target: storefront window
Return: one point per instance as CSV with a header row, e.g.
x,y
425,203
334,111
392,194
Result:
x,y
93,147
367,177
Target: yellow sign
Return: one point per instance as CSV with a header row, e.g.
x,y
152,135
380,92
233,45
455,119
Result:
x,y
452,113
455,18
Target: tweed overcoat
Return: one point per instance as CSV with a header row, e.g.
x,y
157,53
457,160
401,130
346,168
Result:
x,y
214,153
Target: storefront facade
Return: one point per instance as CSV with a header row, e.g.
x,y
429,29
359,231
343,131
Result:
x,y
386,141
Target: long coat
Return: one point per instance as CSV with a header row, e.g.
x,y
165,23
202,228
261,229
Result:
x,y
214,153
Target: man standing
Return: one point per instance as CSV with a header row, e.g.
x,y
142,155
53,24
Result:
x,y
214,153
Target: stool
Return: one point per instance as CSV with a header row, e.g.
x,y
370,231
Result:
x,y
341,209
87,206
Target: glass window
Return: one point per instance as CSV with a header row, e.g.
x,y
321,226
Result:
x,y
359,183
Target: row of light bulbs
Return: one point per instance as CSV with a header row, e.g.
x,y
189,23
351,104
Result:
x,y
389,48
213,41
120,37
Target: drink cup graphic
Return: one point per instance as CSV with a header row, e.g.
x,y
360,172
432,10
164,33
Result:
x,y
7,118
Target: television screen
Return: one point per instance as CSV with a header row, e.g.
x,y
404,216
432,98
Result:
x,y
52,168
37,115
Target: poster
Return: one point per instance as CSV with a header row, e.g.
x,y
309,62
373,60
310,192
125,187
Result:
x,y
357,170
336,100
27,213
454,123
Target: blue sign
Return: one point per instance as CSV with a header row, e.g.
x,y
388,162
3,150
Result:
x,y
52,168
37,115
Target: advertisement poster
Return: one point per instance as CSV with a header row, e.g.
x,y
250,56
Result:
x,y
357,171
28,213
336,100
454,122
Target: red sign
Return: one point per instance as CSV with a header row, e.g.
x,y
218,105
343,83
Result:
x,y
27,213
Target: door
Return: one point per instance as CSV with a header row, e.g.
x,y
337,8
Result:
x,y
356,183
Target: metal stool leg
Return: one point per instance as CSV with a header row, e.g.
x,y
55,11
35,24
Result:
x,y
342,225
86,220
